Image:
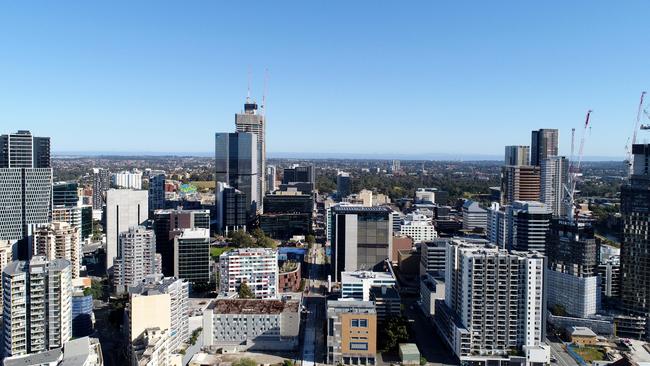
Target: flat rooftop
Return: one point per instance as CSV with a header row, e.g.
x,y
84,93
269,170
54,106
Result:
x,y
251,306
357,276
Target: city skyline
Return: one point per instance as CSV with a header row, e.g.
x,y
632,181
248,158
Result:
x,y
174,73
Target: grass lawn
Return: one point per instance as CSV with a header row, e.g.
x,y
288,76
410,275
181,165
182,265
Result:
x,y
217,251
590,353
203,184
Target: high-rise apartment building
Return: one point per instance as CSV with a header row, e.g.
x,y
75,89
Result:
x,y
361,238
257,267
343,185
635,249
553,172
127,180
58,240
136,258
236,163
519,183
474,216
167,224
527,226
124,208
37,310
497,230
101,184
572,275
517,155
543,144
156,190
192,255
22,150
252,122
493,304
170,293
65,194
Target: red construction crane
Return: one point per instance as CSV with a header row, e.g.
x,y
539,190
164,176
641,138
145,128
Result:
x,y
574,170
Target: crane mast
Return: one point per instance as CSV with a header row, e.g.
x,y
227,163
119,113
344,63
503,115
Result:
x,y
574,170
634,133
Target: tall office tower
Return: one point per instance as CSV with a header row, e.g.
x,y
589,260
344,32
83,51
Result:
x,y
137,258
527,226
343,185
167,224
86,221
635,249
554,173
22,150
124,208
271,176
351,332
298,174
101,184
543,144
494,303
519,183
235,163
37,308
59,240
65,194
517,155
192,255
156,190
252,122
160,302
573,281
26,198
257,267
232,208
127,180
362,238
497,225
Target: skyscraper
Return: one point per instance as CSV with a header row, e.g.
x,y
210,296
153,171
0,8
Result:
x,y
519,183
544,143
156,190
192,255
271,174
493,303
251,121
124,208
25,186
136,259
64,194
235,163
101,184
35,317
635,249
298,174
553,171
362,238
343,185
59,240
527,226
232,208
517,155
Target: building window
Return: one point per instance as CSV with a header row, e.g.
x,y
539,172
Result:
x,y
359,346
359,323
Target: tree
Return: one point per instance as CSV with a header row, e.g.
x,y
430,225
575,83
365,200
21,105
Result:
x,y
241,239
245,362
95,289
245,292
393,333
258,234
310,239
288,363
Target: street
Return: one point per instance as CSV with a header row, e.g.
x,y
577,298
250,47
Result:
x,y
314,302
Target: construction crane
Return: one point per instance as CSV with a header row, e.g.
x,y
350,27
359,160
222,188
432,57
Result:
x,y
628,146
574,170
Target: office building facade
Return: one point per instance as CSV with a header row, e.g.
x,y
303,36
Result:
x,y
125,208
528,225
232,209
474,216
156,190
298,174
236,163
519,183
543,144
192,255
351,332
343,185
553,171
254,123
361,238
517,155
101,184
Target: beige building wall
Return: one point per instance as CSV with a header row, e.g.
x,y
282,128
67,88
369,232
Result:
x,y
149,312
358,334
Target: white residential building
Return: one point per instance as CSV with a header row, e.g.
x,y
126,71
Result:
x,y
58,240
127,180
37,308
356,285
124,208
257,267
138,258
418,227
493,304
497,230
474,216
152,348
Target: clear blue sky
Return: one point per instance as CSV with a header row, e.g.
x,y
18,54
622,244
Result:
x,y
349,76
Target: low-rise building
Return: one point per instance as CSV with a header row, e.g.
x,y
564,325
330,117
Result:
x,y
83,351
474,216
418,227
289,277
356,285
431,290
582,336
257,267
247,324
351,332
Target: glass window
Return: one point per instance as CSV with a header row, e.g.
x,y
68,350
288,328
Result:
x,y
363,323
359,346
